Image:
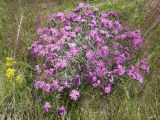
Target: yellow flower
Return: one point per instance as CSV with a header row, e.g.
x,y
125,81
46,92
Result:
x,y
10,72
19,78
10,62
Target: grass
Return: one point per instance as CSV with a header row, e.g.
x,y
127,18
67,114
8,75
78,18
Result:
x,y
129,100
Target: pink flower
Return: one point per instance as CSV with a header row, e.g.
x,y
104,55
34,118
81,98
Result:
x,y
62,111
46,107
46,87
99,42
78,29
107,88
107,23
39,31
96,9
105,50
93,33
143,65
96,83
74,95
68,28
81,5
38,84
89,55
54,85
37,69
73,52
135,73
120,70
72,34
69,55
62,63
49,72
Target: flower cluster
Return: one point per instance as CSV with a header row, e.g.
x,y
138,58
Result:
x,y
11,71
85,47
10,62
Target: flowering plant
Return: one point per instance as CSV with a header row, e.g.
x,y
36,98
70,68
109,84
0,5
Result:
x,y
11,72
84,47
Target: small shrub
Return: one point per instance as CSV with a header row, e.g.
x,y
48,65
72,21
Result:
x,y
84,47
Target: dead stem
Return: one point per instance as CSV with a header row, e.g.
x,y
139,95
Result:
x,y
17,39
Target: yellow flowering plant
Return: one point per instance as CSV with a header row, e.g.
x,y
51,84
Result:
x,y
19,78
10,62
11,71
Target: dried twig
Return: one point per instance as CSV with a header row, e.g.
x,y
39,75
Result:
x,y
17,39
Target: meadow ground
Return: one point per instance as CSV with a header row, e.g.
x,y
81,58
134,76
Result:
x,y
128,101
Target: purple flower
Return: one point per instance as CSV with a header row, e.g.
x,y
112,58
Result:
x,y
100,53
54,85
53,32
68,28
105,50
87,37
49,72
99,69
65,85
46,107
136,38
105,15
59,14
93,23
81,5
62,63
107,23
107,88
143,65
72,34
135,73
73,52
87,6
84,46
69,55
77,18
46,87
117,26
99,42
38,84
74,95
120,70
93,33
121,58
78,29
95,82
77,80
37,69
39,31
96,9
104,33
62,111
89,55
